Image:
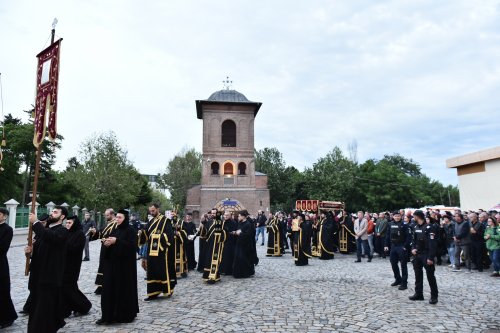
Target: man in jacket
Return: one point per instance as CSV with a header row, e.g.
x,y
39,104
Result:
x,y
87,223
360,230
462,242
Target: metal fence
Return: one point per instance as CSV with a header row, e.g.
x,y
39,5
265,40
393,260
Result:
x,y
22,215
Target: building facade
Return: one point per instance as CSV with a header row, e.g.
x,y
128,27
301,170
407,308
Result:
x,y
229,180
478,178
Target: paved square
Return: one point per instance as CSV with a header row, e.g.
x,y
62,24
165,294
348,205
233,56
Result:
x,y
326,296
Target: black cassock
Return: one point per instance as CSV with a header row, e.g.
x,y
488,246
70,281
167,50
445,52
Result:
x,y
119,302
7,313
74,299
274,244
244,253
216,236
161,276
229,247
190,229
101,234
325,239
303,241
46,276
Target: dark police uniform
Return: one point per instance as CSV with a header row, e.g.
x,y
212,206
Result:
x,y
398,239
424,241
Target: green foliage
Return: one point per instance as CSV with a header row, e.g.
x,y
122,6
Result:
x,y
183,171
331,178
281,179
390,183
19,161
104,177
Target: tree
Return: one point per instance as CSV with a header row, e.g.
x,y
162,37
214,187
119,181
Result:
x,y
280,179
103,174
183,171
395,182
331,177
20,154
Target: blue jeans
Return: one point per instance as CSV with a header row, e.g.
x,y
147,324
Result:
x,y
495,259
360,242
451,254
260,230
370,244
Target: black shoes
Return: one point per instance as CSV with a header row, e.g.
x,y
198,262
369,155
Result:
x,y
183,275
100,322
85,259
262,244
98,291
395,283
150,298
359,260
369,259
433,300
402,287
416,297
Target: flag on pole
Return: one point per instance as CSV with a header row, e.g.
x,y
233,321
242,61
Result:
x,y
47,79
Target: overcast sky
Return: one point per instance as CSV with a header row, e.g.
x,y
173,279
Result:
x,y
418,78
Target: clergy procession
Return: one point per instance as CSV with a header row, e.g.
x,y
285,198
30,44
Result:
x,y
127,205
226,247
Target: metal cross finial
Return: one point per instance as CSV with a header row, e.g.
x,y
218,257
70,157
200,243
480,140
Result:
x,y
54,23
227,83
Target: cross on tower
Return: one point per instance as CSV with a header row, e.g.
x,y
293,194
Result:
x,y
227,83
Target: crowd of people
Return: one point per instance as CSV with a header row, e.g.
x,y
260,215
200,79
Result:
x,y
227,246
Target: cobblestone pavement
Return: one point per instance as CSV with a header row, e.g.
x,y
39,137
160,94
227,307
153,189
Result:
x,y
326,296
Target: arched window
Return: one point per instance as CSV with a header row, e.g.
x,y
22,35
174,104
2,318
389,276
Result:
x,y
242,169
228,168
215,168
228,134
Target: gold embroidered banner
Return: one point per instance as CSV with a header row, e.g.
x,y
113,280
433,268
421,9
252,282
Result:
x,y
47,80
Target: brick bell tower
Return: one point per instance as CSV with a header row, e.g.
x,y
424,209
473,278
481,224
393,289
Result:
x,y
229,180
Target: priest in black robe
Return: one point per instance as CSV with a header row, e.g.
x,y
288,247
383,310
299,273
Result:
x,y
202,241
160,260
180,239
314,237
7,313
282,227
274,245
119,302
190,229
303,242
325,236
103,233
216,236
46,270
244,256
74,300
230,226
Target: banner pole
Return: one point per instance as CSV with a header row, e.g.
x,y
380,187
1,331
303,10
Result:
x,y
35,184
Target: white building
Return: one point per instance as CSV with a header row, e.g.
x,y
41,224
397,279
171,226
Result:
x,y
478,178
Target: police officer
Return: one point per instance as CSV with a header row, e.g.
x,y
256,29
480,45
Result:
x,y
399,239
424,246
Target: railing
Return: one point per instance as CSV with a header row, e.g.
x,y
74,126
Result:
x,y
22,216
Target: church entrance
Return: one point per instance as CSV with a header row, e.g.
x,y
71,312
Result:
x,y
232,205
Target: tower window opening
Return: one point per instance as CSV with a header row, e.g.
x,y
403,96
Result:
x,y
242,169
228,134
215,168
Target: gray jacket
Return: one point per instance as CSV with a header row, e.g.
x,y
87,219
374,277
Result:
x,y
360,228
462,233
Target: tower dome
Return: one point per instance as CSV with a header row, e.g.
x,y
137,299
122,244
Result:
x,y
227,95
